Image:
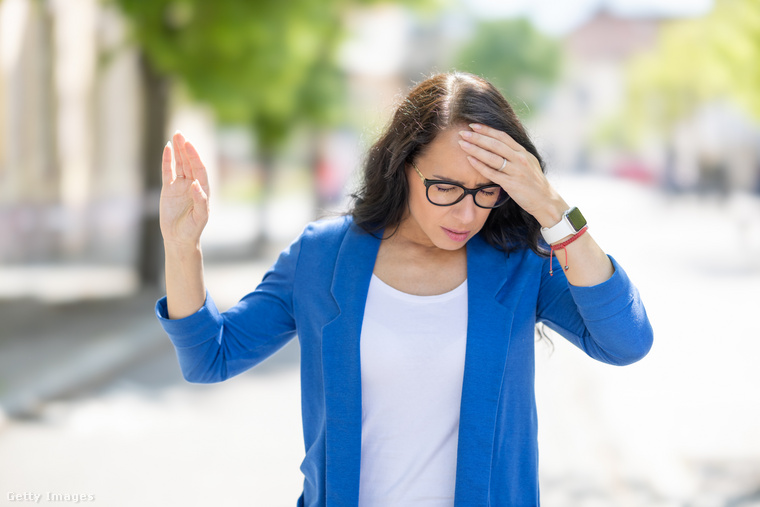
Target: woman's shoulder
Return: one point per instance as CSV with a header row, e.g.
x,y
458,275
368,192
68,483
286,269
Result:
x,y
326,228
325,235
320,244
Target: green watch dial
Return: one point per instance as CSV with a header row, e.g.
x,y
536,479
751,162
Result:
x,y
576,219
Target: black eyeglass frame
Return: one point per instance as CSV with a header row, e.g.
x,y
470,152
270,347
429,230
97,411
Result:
x,y
467,191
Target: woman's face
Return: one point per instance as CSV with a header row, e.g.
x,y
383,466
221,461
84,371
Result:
x,y
445,227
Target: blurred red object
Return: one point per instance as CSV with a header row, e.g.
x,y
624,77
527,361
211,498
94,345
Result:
x,y
635,170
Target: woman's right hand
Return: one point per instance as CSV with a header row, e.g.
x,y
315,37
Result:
x,y
184,205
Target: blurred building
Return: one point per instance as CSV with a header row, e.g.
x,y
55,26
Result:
x,y
591,90
69,133
717,148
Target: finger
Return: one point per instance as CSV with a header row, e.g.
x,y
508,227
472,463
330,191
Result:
x,y
487,143
487,171
497,134
188,170
200,201
504,153
167,172
486,156
197,168
178,141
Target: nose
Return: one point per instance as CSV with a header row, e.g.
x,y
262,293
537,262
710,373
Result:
x,y
465,210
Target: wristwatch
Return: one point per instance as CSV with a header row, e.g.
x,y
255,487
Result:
x,y
572,222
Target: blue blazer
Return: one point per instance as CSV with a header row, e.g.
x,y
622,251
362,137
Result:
x,y
318,288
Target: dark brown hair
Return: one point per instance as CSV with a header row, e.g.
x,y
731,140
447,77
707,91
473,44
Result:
x,y
440,102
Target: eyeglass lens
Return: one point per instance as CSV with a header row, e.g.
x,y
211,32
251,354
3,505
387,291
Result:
x,y
444,195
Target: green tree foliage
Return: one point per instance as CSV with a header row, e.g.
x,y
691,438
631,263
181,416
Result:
x,y
515,57
699,60
265,63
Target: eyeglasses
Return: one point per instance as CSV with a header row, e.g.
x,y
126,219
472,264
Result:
x,y
448,193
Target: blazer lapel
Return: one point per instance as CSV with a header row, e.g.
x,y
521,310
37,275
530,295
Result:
x,y
488,333
341,366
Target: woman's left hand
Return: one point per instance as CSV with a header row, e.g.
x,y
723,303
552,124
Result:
x,y
498,157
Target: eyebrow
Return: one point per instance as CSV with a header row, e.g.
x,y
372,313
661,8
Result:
x,y
439,177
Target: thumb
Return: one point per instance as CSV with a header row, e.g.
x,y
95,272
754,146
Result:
x,y
198,194
200,199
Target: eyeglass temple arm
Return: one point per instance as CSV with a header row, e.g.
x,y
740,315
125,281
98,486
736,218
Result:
x,y
418,172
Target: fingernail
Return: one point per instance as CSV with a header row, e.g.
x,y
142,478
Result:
x,y
464,144
466,134
169,145
475,126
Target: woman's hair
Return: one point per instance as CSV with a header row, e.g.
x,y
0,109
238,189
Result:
x,y
434,105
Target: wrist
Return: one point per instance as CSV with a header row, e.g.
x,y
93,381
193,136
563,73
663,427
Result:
x,y
571,222
181,251
552,214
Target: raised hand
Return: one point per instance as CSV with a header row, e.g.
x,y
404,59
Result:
x,y
184,204
498,157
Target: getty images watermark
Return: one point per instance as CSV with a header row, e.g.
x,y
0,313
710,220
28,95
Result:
x,y
50,497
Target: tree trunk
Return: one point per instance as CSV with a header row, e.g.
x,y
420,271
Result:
x,y
155,117
262,240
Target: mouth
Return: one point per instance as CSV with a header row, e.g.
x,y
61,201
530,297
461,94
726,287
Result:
x,y
455,235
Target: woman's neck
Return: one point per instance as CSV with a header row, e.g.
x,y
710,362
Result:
x,y
419,268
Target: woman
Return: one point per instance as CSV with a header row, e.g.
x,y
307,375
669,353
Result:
x,y
415,312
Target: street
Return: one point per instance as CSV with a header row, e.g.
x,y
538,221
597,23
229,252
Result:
x,y
149,438
679,428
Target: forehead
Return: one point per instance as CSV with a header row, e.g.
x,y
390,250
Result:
x,y
445,159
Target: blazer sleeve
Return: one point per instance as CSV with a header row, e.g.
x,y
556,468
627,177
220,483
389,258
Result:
x,y
607,321
213,346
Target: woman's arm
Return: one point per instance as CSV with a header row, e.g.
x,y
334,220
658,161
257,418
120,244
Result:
x,y
522,178
213,346
608,321
184,210
595,305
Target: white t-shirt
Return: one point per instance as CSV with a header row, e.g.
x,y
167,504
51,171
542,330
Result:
x,y
412,365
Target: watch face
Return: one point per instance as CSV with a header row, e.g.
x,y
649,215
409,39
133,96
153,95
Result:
x,y
576,219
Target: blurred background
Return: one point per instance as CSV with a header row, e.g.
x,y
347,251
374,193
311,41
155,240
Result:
x,y
646,113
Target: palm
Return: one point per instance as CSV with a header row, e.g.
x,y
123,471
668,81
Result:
x,y
184,195
179,216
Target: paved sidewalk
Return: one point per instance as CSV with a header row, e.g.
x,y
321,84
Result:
x,y
50,350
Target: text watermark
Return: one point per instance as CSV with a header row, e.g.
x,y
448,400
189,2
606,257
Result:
x,y
49,496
